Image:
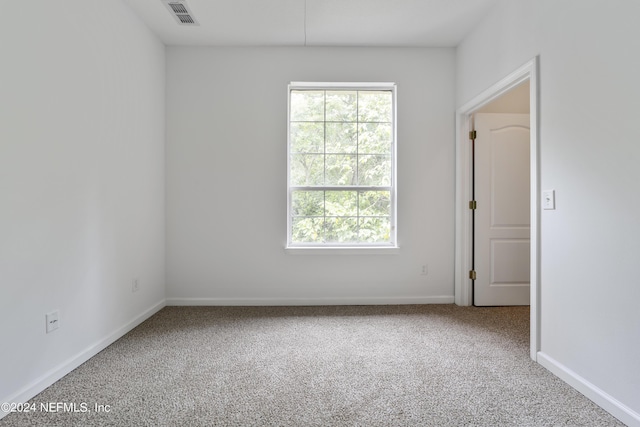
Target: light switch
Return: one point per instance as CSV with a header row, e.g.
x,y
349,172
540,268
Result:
x,y
549,199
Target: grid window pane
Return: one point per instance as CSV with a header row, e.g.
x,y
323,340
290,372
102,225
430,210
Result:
x,y
375,138
342,106
342,138
307,203
375,107
341,229
341,203
374,203
307,106
374,170
307,137
307,230
374,230
341,166
340,169
307,169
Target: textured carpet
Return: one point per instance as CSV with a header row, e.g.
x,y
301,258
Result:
x,y
431,365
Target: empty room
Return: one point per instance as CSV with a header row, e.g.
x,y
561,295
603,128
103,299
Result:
x,y
320,212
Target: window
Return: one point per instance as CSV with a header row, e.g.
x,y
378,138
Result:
x,y
342,165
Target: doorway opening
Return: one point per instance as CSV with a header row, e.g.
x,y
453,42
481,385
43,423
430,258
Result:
x,y
528,73
501,201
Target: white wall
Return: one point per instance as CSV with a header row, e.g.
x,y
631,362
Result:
x,y
226,177
81,183
590,100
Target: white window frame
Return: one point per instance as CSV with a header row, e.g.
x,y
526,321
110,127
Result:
x,y
334,248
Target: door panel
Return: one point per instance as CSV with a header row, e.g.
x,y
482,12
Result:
x,y
502,224
510,177
510,262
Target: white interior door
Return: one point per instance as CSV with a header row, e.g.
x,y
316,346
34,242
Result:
x,y
502,215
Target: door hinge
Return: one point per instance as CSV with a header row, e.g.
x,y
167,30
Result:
x,y
472,134
473,205
472,274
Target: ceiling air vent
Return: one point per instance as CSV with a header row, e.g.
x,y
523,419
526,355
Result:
x,y
180,11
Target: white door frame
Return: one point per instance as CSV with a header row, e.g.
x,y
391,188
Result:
x,y
529,71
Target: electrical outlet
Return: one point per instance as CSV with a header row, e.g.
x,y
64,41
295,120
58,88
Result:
x,y
135,285
424,270
53,321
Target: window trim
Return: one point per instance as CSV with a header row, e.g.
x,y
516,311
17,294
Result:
x,y
346,248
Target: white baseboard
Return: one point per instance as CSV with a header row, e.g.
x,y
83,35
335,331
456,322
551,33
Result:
x,y
598,396
309,301
50,377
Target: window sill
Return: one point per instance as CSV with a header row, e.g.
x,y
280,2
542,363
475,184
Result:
x,y
342,250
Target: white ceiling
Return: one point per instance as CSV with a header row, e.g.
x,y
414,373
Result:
x,y
441,23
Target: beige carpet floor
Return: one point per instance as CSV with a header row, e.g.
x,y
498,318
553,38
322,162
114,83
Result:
x,y
431,365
